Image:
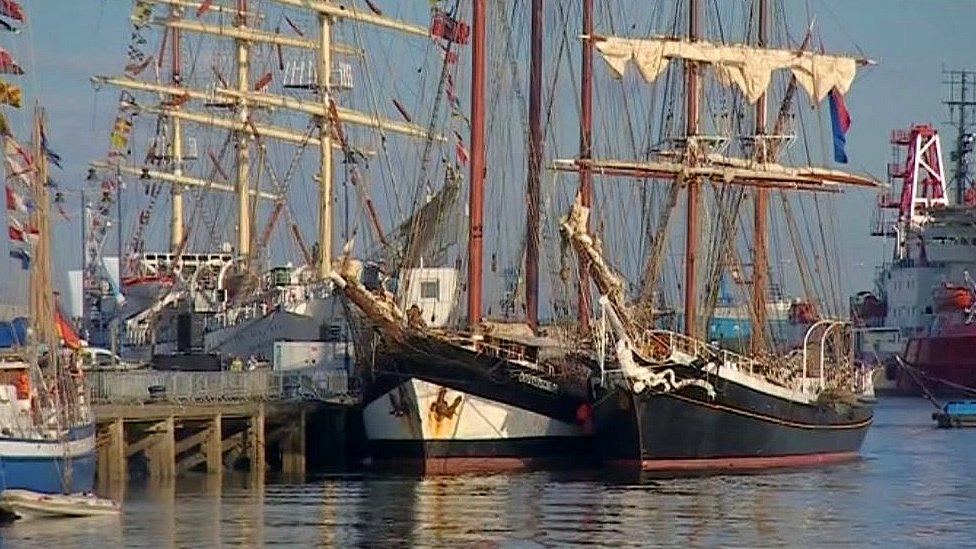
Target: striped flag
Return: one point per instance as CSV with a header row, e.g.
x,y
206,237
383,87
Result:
x,y
11,9
840,119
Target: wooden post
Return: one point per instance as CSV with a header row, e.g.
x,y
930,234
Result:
x,y
586,153
255,441
293,447
213,448
111,454
760,263
161,454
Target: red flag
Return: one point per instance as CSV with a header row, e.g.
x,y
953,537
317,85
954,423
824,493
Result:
x,y
7,63
263,82
12,9
15,234
461,153
204,7
450,29
67,333
14,202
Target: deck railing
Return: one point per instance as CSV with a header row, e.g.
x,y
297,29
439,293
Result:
x,y
219,387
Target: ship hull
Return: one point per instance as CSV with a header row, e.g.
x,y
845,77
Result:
x,y
950,358
40,465
426,426
740,429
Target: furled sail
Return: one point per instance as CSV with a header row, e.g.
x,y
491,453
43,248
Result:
x,y
747,67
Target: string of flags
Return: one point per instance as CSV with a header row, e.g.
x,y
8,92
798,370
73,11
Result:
x,y
21,228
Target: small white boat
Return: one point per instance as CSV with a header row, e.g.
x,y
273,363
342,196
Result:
x,y
26,504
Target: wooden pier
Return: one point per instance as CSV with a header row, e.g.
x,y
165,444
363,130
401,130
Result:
x,y
200,428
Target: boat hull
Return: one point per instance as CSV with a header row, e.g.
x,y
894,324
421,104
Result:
x,y
39,465
421,425
949,358
740,429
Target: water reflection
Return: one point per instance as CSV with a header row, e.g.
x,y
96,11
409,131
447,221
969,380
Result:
x,y
914,486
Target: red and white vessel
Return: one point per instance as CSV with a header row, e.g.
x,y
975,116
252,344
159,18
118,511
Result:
x,y
921,308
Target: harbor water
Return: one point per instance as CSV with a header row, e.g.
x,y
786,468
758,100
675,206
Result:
x,y
914,486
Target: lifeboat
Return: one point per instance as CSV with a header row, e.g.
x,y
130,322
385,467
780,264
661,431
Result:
x,y
954,298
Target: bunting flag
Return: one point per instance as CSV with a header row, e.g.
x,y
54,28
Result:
x,y
141,14
14,202
11,9
136,68
65,331
204,7
8,27
450,29
15,231
840,119
52,156
7,63
10,94
263,82
21,255
4,125
17,161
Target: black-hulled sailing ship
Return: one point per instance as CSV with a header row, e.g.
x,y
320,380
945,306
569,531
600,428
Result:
x,y
654,398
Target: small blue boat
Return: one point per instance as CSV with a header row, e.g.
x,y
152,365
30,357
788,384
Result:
x,y
959,413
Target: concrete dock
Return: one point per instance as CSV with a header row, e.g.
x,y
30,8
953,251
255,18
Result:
x,y
162,424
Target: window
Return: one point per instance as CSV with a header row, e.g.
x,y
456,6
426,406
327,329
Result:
x,y
430,289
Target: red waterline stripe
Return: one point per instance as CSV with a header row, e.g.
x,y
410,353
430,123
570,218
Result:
x,y
737,463
457,465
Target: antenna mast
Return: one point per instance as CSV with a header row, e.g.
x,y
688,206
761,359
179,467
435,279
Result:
x,y
962,104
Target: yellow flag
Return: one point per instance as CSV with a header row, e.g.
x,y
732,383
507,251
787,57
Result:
x,y
10,94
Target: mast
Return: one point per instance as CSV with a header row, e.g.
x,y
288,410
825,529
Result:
x,y
760,262
41,298
691,130
534,171
476,197
176,126
586,152
325,148
243,152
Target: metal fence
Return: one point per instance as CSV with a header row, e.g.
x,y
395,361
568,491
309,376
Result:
x,y
218,387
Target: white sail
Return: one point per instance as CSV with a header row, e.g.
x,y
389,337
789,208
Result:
x,y
749,68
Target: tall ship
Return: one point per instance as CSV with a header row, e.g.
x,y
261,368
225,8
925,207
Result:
x,y
627,374
920,310
234,131
47,428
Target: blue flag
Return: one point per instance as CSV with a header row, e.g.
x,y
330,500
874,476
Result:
x,y
841,121
21,255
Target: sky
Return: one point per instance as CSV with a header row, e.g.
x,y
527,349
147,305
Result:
x,y
67,42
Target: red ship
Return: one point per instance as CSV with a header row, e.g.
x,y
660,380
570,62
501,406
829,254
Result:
x,y
947,356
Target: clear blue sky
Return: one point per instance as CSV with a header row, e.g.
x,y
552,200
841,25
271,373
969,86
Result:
x,y
68,41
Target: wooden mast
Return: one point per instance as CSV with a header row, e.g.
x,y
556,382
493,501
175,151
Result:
x,y
325,148
691,131
41,293
586,153
760,262
176,143
243,143
534,169
476,197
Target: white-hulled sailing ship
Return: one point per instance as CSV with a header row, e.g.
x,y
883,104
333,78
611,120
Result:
x,y
657,399
219,297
